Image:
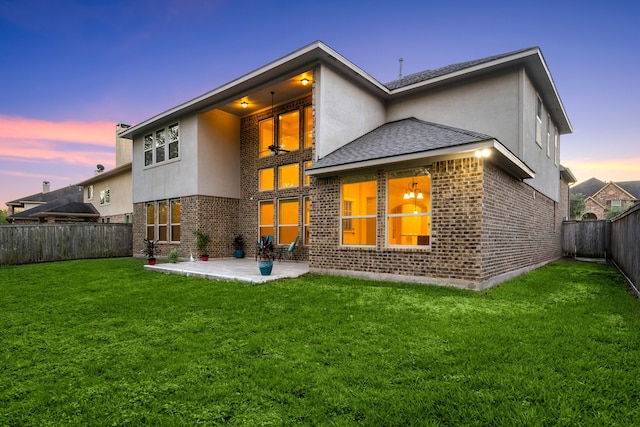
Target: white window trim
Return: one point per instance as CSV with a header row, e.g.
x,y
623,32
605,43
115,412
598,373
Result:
x,y
342,217
154,163
90,192
105,197
556,153
271,225
280,224
538,112
406,215
304,218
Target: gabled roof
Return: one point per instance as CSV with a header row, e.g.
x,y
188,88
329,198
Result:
x,y
410,140
631,187
614,185
588,187
319,53
68,197
48,196
73,209
426,75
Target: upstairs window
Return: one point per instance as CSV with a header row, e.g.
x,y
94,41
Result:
x,y
538,121
289,130
289,176
548,136
161,145
308,127
90,192
265,179
556,152
265,135
105,197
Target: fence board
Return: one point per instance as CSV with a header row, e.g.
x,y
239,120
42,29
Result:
x,y
625,244
23,244
586,238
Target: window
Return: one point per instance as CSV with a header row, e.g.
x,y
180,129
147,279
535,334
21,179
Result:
x,y
616,203
148,149
539,121
287,220
409,208
174,141
265,220
90,192
556,153
162,144
265,179
160,139
358,213
105,197
307,219
307,178
163,220
151,221
289,130
175,220
265,135
308,127
289,176
163,216
548,136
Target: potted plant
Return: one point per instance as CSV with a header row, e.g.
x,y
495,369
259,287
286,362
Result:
x,y
150,250
202,241
238,246
266,255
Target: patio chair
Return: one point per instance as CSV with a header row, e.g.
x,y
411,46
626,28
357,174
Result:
x,y
288,250
269,240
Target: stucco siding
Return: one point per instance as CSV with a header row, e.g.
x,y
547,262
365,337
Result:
x,y
172,178
344,111
218,160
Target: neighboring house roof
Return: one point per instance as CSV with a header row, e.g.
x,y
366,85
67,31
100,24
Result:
x,y
317,52
631,187
613,184
588,187
66,201
49,196
106,175
73,209
412,139
592,186
591,199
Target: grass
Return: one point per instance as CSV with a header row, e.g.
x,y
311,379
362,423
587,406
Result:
x,y
103,342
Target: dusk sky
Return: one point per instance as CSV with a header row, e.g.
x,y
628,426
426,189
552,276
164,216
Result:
x,y
70,70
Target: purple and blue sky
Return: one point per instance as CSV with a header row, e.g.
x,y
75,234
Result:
x,y
71,69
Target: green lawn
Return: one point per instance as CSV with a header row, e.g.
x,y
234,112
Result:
x,y
104,342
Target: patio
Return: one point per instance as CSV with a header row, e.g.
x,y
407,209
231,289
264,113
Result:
x,y
244,269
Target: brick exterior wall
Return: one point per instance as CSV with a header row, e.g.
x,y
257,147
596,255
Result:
x,y
217,216
454,257
251,163
485,225
604,197
521,227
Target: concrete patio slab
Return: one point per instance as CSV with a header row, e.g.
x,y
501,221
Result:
x,y
244,269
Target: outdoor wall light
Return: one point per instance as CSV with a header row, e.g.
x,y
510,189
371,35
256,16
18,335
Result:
x,y
483,153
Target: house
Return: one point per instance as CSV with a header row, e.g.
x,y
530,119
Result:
x,y
110,192
603,197
62,205
449,176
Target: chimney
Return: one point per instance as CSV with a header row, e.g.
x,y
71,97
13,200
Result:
x,y
45,187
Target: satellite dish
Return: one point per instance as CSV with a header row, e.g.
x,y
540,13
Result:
x,y
100,167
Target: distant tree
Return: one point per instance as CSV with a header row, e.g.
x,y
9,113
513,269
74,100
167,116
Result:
x,y
613,212
3,216
577,206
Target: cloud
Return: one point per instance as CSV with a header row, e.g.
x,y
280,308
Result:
x,y
22,128
15,150
31,175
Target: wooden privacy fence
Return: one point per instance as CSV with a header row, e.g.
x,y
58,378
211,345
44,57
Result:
x,y
586,238
23,244
625,245
617,240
